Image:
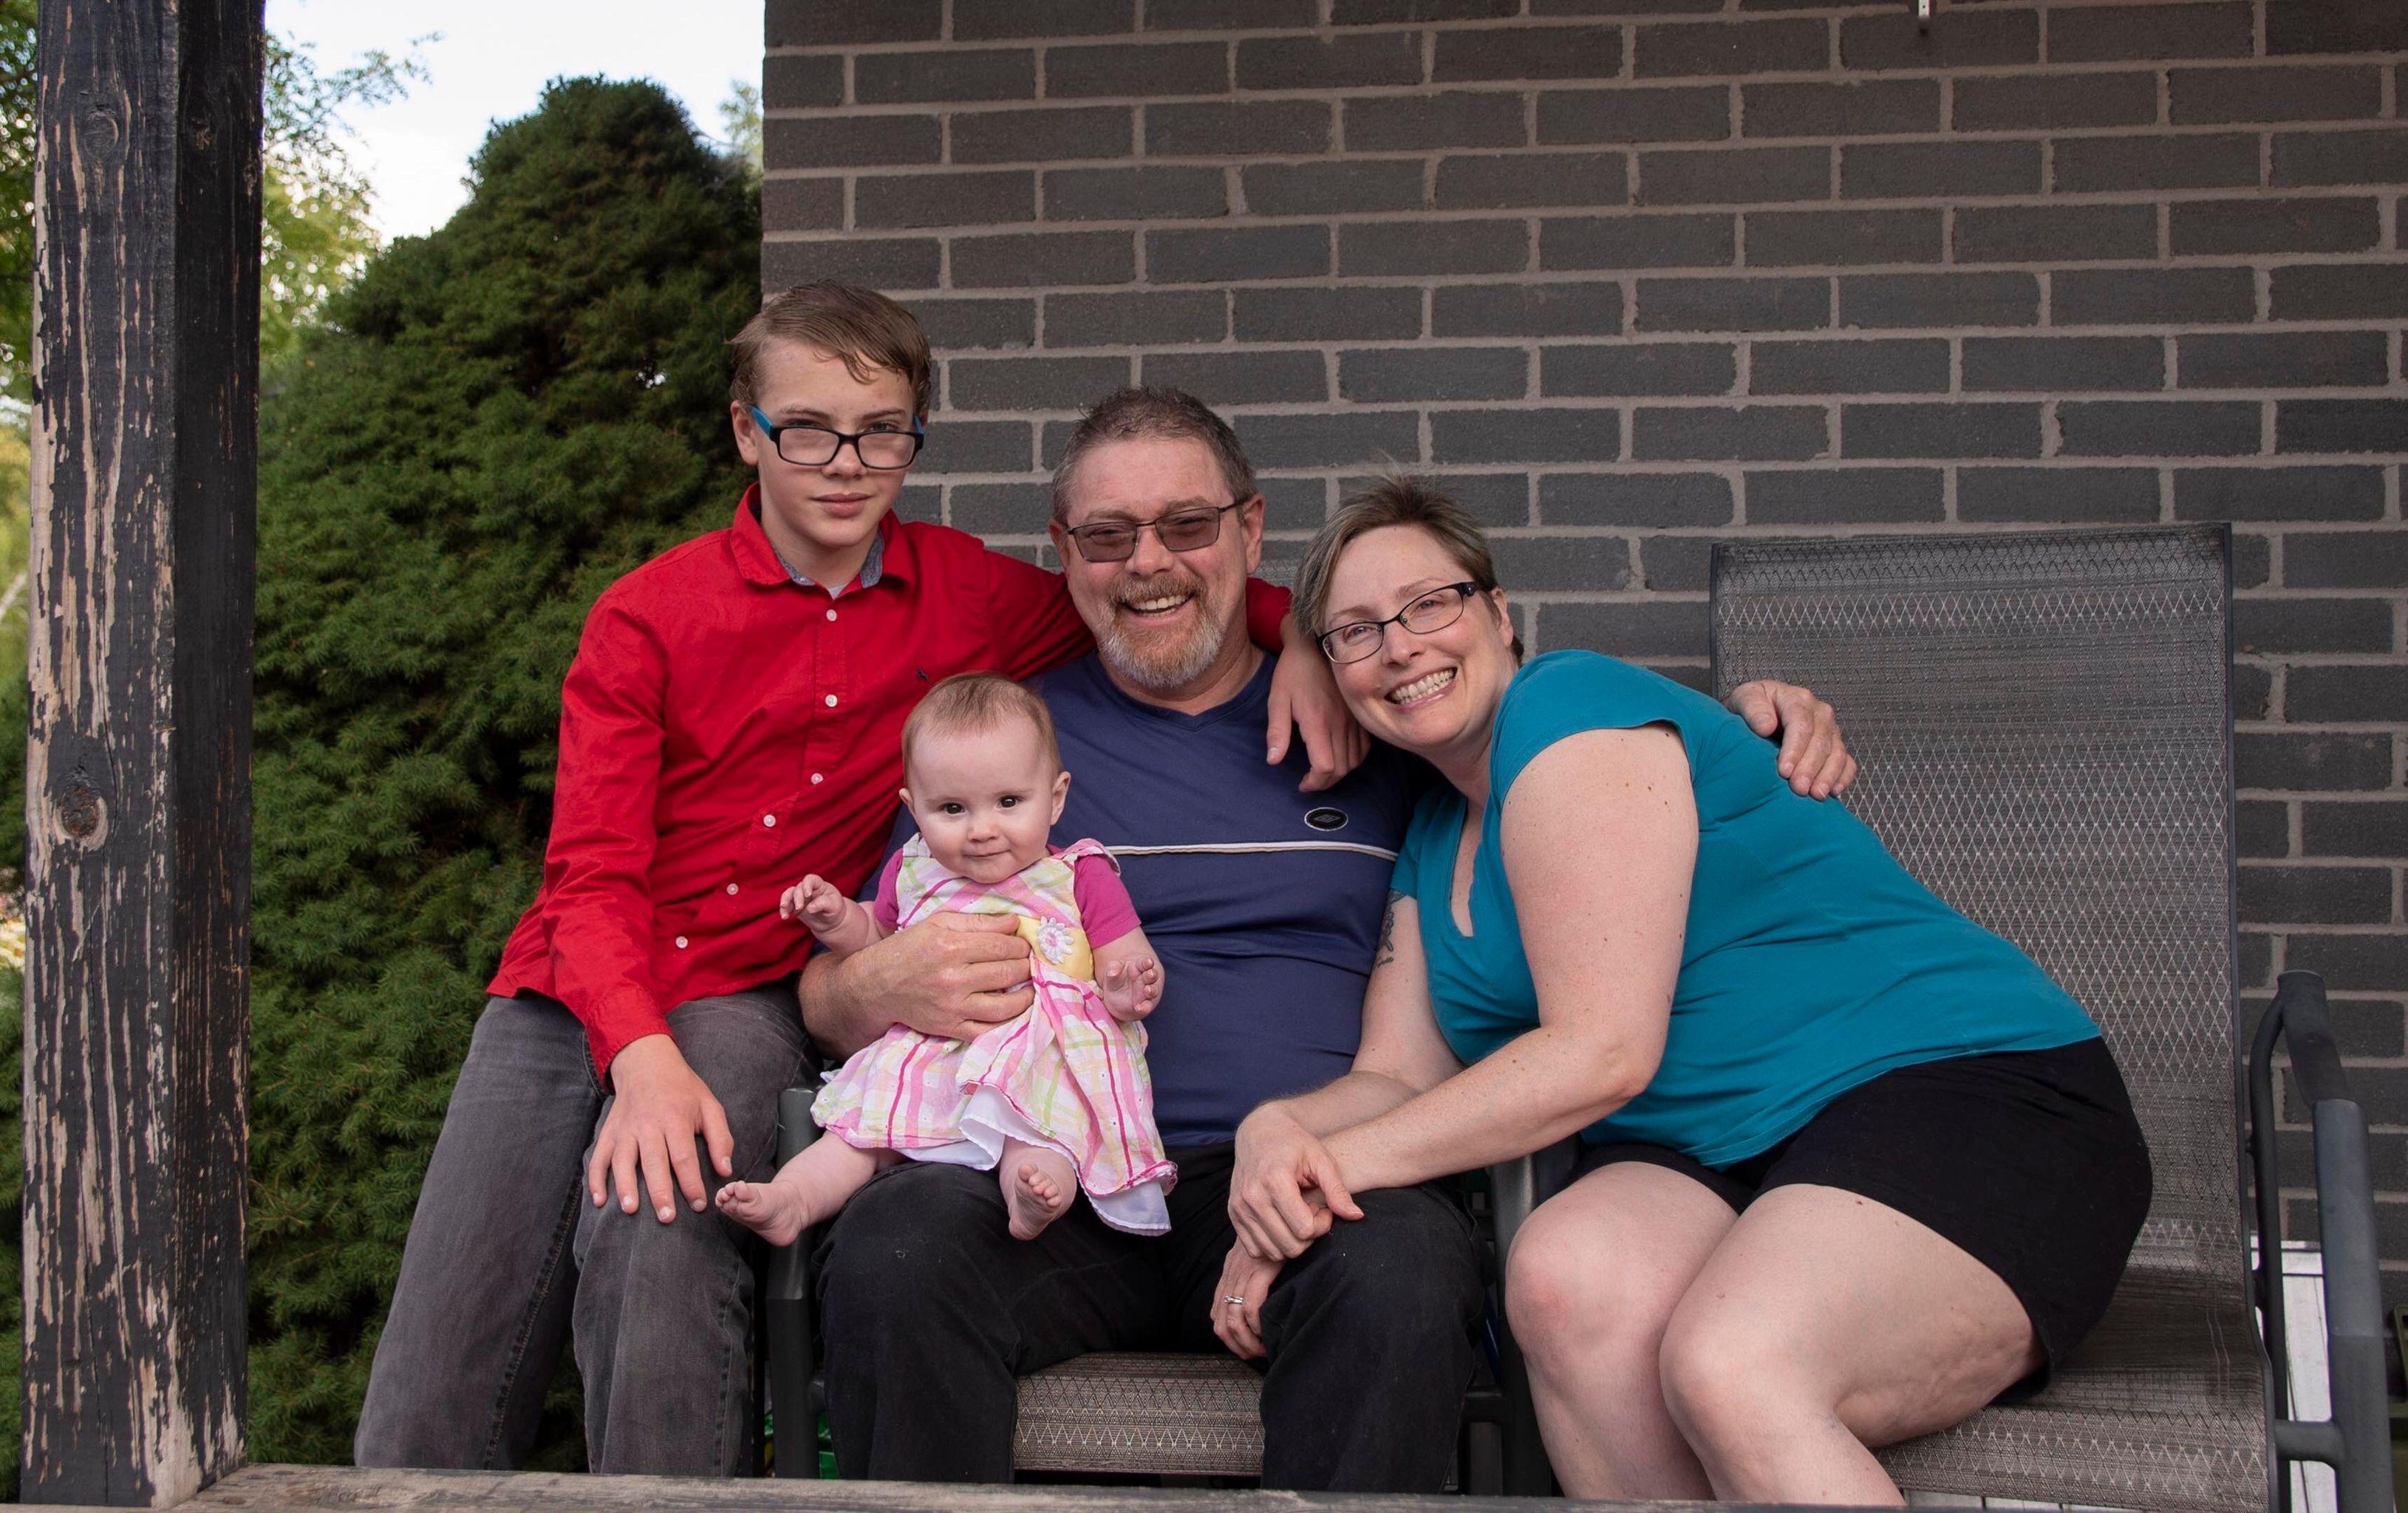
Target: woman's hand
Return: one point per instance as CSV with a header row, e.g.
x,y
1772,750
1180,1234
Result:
x,y
1237,1302
1284,1188
1304,695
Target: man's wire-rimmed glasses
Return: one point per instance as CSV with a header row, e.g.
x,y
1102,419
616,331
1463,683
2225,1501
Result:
x,y
1429,612
816,446
1182,530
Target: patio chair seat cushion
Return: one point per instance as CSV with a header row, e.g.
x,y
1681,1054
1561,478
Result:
x,y
2162,1408
1172,1415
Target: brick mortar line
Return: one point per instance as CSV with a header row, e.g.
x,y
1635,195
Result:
x,y
1339,94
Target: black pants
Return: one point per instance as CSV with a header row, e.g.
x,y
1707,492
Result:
x,y
931,1309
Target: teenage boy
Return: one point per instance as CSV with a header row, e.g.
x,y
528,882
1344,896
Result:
x,y
731,722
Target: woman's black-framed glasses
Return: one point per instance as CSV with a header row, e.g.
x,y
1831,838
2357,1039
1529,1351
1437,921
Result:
x,y
1182,530
816,446
1432,611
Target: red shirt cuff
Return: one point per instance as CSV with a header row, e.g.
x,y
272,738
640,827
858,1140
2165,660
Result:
x,y
616,1021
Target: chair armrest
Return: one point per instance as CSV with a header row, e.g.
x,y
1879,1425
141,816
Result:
x,y
1515,1187
786,1313
1519,1186
2356,1440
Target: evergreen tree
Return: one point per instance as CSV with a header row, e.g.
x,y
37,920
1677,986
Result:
x,y
498,419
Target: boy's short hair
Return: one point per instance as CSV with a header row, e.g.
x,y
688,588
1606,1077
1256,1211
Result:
x,y
968,702
1150,411
868,332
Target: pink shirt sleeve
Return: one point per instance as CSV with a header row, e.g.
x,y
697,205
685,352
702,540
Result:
x,y
883,909
1106,912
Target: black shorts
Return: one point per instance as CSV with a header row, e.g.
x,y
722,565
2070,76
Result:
x,y
2029,1162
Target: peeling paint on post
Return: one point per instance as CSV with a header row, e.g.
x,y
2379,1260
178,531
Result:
x,y
137,774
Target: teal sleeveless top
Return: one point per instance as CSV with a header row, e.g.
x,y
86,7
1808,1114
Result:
x,y
1812,961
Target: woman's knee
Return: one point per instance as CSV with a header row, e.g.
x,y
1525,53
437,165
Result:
x,y
1567,1300
1726,1371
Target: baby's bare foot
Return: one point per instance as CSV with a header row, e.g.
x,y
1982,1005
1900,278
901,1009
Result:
x,y
1037,1191
770,1210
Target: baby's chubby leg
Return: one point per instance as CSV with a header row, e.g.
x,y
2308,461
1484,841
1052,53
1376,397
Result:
x,y
807,1190
1039,1183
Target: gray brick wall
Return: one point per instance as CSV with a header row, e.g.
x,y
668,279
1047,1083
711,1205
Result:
x,y
1634,275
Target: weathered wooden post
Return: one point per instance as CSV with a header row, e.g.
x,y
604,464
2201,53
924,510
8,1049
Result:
x,y
137,778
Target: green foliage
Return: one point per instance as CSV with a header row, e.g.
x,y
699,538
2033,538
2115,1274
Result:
x,y
315,235
314,229
740,124
498,419
16,199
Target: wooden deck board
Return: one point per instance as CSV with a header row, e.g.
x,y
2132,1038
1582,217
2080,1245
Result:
x,y
347,1489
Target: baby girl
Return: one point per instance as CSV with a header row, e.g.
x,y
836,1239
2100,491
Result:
x,y
1056,1101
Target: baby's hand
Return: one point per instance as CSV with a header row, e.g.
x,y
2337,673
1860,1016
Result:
x,y
816,901
1131,989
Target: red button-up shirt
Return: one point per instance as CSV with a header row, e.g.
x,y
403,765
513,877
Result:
x,y
727,729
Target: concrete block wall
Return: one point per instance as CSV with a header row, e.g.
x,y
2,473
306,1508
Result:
x,y
1636,274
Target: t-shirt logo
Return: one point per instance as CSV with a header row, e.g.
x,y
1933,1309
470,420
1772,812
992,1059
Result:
x,y
1326,819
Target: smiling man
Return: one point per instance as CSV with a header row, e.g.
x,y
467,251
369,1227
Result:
x,y
1265,905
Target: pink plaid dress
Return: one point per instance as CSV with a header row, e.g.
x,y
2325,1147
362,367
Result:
x,y
1065,1074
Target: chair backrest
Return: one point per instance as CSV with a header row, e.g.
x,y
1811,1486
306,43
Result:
x,y
2044,723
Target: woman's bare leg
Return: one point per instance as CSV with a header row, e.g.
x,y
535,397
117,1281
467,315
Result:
x,y
807,1190
1592,1278
1039,1183
1824,1323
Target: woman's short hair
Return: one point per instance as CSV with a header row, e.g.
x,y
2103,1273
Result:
x,y
864,329
969,703
1396,500
1151,410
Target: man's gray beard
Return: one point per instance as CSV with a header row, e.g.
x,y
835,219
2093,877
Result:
x,y
1161,669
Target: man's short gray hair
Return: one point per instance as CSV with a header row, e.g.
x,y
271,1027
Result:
x,y
1148,412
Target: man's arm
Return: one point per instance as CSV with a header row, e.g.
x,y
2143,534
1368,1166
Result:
x,y
950,975
1813,757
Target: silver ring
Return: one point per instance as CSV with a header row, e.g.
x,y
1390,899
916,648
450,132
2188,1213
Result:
x,y
1236,1302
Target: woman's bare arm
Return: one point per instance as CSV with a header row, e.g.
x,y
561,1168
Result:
x,y
1284,1185
1600,838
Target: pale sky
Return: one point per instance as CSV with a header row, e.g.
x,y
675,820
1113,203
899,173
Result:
x,y
490,63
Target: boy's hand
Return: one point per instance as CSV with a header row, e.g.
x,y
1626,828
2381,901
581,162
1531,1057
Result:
x,y
1130,989
816,902
1304,695
659,1105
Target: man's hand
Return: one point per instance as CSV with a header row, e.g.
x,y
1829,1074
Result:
x,y
1283,1187
953,975
1247,1279
660,1106
1130,989
1812,758
1304,695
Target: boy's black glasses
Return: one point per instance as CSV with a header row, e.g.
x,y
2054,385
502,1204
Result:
x,y
1186,530
816,446
1432,611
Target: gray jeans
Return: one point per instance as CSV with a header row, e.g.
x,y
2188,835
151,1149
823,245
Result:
x,y
506,1255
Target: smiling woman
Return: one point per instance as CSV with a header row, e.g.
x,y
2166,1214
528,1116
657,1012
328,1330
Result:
x,y
1858,1165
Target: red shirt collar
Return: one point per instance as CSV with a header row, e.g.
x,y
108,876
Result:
x,y
757,559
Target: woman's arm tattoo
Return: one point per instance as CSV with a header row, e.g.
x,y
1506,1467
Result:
x,y
1387,951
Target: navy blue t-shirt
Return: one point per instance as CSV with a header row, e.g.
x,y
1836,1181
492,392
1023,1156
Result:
x,y
1264,903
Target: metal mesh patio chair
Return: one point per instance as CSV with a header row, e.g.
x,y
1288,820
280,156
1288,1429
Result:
x,y
2045,723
